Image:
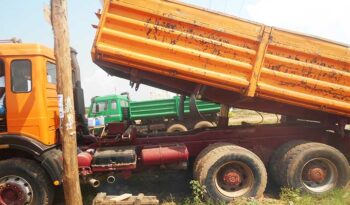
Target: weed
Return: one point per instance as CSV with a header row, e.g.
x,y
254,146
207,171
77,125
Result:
x,y
170,201
198,195
198,191
246,201
290,195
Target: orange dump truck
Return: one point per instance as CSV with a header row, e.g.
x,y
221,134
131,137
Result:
x,y
208,55
200,54
231,61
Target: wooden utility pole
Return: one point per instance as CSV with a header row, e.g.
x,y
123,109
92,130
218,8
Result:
x,y
71,185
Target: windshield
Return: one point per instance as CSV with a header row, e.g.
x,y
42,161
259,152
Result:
x,y
99,107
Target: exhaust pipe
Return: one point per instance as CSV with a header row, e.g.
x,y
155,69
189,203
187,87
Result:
x,y
94,183
110,179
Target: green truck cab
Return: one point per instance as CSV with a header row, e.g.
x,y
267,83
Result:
x,y
110,107
154,115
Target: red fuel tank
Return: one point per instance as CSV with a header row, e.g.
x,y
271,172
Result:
x,y
84,159
167,154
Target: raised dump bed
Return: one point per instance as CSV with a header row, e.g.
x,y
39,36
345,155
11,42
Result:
x,y
178,47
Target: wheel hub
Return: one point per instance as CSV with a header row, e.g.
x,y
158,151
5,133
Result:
x,y
317,174
15,190
232,177
11,192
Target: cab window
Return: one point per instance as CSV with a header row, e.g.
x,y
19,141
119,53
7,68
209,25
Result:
x,y
114,104
21,76
124,103
51,73
99,107
2,65
93,110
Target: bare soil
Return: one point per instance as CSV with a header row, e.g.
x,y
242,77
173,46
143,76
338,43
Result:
x,y
166,185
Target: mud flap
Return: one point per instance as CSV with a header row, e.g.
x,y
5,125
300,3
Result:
x,y
51,160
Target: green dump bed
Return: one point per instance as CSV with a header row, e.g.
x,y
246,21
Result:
x,y
167,108
203,106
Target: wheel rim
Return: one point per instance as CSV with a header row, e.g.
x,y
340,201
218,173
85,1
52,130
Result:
x,y
319,175
15,190
234,179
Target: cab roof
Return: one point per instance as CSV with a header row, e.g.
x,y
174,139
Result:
x,y
109,97
25,49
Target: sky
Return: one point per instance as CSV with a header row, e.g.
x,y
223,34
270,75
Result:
x,y
25,20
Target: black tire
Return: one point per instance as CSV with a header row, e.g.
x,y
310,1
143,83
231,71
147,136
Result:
x,y
278,156
315,168
176,128
31,172
209,153
203,124
224,158
202,155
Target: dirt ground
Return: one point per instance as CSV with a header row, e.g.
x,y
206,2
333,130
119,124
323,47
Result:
x,y
166,185
173,187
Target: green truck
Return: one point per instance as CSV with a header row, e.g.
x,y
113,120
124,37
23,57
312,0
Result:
x,y
170,115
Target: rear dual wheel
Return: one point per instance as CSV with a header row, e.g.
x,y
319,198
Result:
x,y
202,155
230,171
278,159
313,168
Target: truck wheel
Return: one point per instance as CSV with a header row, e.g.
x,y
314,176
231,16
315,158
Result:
x,y
275,162
23,181
202,155
232,171
315,168
176,128
203,124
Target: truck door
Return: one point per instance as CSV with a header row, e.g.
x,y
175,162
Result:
x,y
114,114
101,108
21,109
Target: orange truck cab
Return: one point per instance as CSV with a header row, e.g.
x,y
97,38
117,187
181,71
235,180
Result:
x,y
30,90
28,128
30,151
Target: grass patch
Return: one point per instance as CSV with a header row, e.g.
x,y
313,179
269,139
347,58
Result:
x,y
337,197
287,197
294,197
